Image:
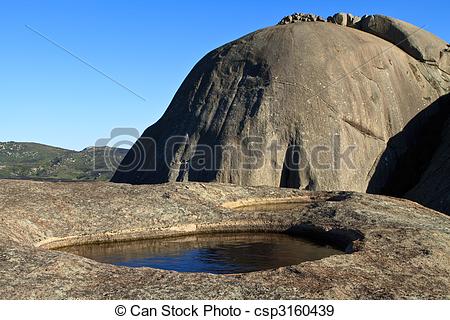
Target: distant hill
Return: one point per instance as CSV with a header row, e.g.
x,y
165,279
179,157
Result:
x,y
25,160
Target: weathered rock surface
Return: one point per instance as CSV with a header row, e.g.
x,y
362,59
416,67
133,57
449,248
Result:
x,y
433,188
444,61
400,249
308,90
340,18
416,162
419,43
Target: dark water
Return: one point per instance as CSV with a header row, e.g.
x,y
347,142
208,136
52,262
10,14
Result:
x,y
212,253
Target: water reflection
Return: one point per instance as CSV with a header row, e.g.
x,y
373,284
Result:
x,y
212,253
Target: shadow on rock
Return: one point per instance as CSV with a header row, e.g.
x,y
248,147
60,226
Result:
x,y
412,159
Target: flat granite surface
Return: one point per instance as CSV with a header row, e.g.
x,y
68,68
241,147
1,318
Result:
x,y
397,249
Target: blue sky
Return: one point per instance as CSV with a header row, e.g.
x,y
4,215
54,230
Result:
x,y
47,96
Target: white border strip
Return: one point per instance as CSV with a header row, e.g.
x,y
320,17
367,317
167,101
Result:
x,y
212,310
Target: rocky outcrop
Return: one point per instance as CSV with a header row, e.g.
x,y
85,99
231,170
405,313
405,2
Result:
x,y
444,61
300,17
400,249
344,19
415,163
304,105
433,187
417,42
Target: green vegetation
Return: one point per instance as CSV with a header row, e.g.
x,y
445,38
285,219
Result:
x,y
23,160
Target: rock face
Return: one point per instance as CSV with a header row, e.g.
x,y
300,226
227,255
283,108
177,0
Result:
x,y
399,249
418,43
433,189
340,18
415,163
304,105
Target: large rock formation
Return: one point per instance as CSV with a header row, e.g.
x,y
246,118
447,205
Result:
x,y
319,100
417,42
416,162
433,188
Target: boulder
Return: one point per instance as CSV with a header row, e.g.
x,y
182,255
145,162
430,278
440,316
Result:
x,y
414,40
444,61
344,19
340,18
300,17
415,164
352,21
433,188
302,105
